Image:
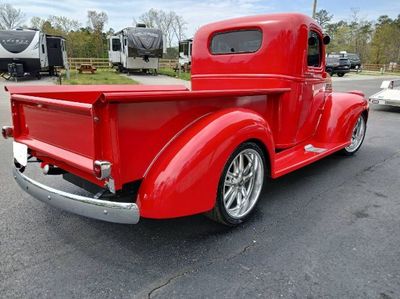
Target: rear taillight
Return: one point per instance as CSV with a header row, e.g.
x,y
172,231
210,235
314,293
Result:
x,y
102,169
7,132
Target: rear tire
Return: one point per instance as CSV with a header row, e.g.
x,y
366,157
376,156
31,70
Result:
x,y
240,185
340,74
357,137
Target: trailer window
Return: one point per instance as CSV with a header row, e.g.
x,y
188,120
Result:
x,y
116,44
314,49
236,42
184,48
42,48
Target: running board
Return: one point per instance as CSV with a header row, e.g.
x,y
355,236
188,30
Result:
x,y
303,154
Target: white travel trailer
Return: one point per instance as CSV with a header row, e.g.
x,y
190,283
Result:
x,y
30,52
136,48
185,53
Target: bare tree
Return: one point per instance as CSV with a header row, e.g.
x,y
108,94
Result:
x,y
63,24
10,17
152,18
37,22
169,23
179,27
97,20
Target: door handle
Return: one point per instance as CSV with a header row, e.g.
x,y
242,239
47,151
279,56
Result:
x,y
308,75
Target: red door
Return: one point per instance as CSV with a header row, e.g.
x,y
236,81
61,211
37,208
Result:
x,y
313,90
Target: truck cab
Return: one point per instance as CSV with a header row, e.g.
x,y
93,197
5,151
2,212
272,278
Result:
x,y
256,53
261,106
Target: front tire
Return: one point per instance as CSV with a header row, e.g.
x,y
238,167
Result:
x,y
357,136
240,185
340,74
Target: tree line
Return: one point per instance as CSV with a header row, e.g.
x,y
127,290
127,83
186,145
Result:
x,y
376,41
91,40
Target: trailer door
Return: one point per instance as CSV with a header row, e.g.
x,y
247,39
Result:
x,y
64,54
115,50
44,62
54,51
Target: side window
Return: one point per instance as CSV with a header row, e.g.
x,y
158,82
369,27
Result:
x,y
42,48
116,44
314,49
236,42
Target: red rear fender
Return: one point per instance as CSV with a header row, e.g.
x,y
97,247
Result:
x,y
184,177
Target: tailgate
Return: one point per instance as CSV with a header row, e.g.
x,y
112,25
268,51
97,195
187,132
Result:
x,y
72,126
60,129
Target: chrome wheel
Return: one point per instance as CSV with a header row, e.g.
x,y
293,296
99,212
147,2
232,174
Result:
x,y
358,135
243,183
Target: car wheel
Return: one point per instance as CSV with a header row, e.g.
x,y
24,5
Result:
x,y
357,137
340,74
240,185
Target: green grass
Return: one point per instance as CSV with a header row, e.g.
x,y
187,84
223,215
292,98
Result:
x,y
101,76
172,73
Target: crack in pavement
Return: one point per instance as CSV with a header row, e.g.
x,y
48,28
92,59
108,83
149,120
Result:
x,y
358,174
191,270
166,283
249,246
371,167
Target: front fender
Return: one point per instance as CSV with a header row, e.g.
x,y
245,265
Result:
x,y
340,114
183,179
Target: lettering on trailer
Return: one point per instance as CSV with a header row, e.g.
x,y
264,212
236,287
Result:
x,y
16,41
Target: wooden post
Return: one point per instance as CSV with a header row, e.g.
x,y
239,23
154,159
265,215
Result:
x,y
314,9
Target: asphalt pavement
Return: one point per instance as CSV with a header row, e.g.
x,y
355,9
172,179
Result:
x,y
329,230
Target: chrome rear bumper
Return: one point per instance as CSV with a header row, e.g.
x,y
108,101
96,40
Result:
x,y
118,212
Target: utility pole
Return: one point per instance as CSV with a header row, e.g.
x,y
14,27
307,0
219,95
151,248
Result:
x,y
314,9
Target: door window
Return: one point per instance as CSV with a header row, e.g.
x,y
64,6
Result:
x,y
314,49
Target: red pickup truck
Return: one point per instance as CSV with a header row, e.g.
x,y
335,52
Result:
x,y
261,106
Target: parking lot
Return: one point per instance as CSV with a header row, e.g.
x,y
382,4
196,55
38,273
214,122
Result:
x,y
330,230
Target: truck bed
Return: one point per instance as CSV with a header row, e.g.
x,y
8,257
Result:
x,y
72,126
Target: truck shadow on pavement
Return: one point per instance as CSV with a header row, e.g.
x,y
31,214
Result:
x,y
149,255
187,234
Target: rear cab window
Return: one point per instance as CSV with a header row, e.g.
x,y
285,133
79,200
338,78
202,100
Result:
x,y
236,42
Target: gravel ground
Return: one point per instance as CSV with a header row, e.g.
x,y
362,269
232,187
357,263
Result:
x,y
157,80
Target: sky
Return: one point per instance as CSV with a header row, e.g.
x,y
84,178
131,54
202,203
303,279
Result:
x,y
121,13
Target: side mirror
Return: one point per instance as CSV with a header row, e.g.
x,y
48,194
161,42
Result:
x,y
326,40
312,41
